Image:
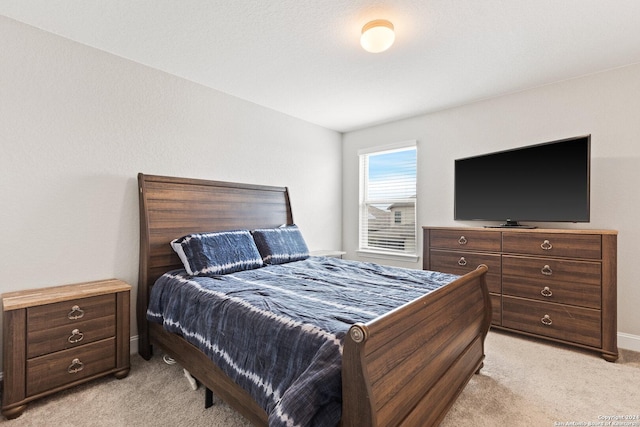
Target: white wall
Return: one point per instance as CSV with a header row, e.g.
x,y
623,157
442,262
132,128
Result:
x,y
605,105
78,124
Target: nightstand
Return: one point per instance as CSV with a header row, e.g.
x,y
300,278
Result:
x,y
329,253
58,337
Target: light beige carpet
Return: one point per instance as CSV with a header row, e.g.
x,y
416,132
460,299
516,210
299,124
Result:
x,y
524,382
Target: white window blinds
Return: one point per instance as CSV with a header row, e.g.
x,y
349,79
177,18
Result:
x,y
388,199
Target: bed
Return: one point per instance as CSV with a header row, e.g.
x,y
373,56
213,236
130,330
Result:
x,y
403,367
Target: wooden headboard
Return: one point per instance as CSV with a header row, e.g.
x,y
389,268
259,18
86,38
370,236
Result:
x,y
172,207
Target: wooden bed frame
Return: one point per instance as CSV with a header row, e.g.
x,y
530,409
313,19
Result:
x,y
406,367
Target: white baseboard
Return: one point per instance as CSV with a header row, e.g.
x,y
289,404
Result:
x,y
628,341
133,344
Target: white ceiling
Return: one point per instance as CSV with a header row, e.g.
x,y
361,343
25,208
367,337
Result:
x,y
302,57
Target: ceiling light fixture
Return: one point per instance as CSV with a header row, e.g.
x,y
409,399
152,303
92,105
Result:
x,y
377,36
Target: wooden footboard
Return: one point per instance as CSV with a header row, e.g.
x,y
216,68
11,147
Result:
x,y
408,366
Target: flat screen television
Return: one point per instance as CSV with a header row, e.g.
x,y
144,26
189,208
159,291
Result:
x,y
547,182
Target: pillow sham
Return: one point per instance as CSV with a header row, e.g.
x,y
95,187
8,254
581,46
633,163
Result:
x,y
280,245
216,253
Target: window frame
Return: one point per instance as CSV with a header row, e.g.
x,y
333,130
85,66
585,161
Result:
x,y
367,251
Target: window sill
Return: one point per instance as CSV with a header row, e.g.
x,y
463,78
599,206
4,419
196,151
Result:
x,y
387,255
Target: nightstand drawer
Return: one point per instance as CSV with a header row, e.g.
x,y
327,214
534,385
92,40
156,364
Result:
x,y
563,322
588,246
57,369
45,317
467,240
46,341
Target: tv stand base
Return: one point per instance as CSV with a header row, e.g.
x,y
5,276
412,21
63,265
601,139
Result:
x,y
511,224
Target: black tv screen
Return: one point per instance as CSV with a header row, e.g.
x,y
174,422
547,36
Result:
x,y
547,182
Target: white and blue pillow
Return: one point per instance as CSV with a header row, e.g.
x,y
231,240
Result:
x,y
280,245
211,254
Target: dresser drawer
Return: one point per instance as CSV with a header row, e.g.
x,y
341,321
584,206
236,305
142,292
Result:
x,y
587,246
468,240
496,309
72,312
459,262
57,369
45,341
561,281
563,322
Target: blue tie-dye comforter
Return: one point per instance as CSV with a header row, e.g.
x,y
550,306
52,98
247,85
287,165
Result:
x,y
277,331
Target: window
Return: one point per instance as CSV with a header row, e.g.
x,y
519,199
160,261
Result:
x,y
388,199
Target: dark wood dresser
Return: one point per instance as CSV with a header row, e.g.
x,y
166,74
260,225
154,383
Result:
x,y
55,338
559,285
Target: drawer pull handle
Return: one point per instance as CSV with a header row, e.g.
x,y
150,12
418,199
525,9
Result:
x,y
546,245
546,292
462,240
75,313
462,261
546,320
76,366
76,336
546,270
